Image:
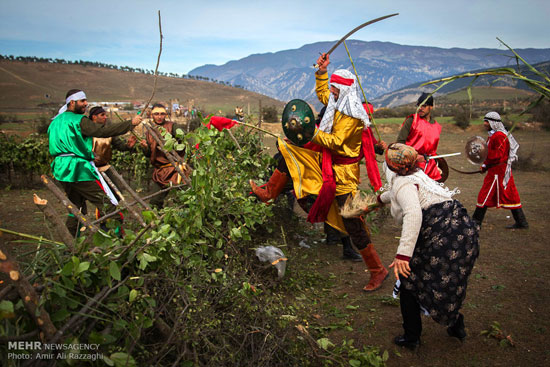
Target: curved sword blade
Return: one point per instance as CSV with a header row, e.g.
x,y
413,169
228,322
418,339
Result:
x,y
358,28
465,172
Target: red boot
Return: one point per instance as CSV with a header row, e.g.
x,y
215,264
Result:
x,y
377,271
272,189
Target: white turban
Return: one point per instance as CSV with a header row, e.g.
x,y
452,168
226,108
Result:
x,y
348,103
73,97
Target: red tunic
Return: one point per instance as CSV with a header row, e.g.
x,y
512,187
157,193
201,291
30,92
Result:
x,y
424,137
493,193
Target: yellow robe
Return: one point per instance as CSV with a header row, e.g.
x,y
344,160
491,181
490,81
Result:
x,y
305,165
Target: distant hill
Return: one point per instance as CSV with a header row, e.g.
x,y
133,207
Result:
x,y
30,84
505,87
382,66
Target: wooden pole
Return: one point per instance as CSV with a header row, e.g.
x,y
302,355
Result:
x,y
122,200
151,129
68,204
55,219
260,114
364,96
107,216
128,188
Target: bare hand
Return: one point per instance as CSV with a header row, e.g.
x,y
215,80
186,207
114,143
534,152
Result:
x,y
143,143
323,61
136,120
400,267
382,144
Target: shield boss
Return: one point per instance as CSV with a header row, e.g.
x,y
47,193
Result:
x,y
476,150
298,122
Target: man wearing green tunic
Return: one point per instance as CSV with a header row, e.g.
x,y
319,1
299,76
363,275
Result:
x,y
71,140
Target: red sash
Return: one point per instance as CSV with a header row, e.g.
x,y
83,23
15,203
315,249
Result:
x,y
321,207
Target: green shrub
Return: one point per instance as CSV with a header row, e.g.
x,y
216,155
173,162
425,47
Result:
x,y
270,114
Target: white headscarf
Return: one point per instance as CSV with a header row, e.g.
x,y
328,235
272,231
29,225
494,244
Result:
x,y
73,97
496,125
349,103
423,181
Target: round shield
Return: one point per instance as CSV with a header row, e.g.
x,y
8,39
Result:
x,y
298,122
443,168
476,150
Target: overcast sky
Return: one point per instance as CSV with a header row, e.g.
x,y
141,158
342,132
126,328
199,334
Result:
x,y
125,32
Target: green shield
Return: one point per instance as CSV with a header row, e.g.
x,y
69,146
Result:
x,y
298,122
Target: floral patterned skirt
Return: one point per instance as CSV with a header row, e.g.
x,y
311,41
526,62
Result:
x,y
443,258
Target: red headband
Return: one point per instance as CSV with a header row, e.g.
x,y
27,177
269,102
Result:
x,y
339,80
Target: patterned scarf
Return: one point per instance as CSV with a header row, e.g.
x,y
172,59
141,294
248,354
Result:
x,y
348,103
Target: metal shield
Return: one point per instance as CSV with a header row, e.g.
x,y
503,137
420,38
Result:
x,y
298,122
444,168
476,150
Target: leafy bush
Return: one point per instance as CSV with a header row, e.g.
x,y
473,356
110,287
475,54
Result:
x,y
463,115
187,289
23,159
270,114
541,113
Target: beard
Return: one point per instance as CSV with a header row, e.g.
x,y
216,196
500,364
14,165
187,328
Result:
x,y
79,109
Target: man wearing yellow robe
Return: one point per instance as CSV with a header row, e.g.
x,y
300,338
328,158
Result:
x,y
329,166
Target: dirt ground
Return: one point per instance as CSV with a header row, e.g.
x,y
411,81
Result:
x,y
508,284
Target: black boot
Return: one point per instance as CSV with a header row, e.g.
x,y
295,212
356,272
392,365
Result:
x,y
457,329
519,217
404,341
333,235
479,214
349,253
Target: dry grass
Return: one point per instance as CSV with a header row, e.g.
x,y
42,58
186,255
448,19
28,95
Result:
x,y
358,204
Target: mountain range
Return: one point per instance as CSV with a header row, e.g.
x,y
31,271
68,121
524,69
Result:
x,y
383,67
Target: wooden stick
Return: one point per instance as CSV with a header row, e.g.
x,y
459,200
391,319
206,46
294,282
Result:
x,y
168,155
28,336
55,219
235,140
122,201
107,216
364,96
68,204
10,267
129,188
157,67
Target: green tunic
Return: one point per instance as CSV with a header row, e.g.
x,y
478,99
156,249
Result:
x,y
71,139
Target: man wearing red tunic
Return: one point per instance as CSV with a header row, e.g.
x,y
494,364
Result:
x,y
499,189
421,132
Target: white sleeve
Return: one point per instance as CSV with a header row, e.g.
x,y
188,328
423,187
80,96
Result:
x,y
385,197
407,198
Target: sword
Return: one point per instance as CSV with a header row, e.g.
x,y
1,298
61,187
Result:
x,y
355,30
465,172
443,156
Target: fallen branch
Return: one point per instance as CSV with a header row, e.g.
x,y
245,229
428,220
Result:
x,y
28,336
123,200
55,219
10,267
155,133
68,204
129,188
107,216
